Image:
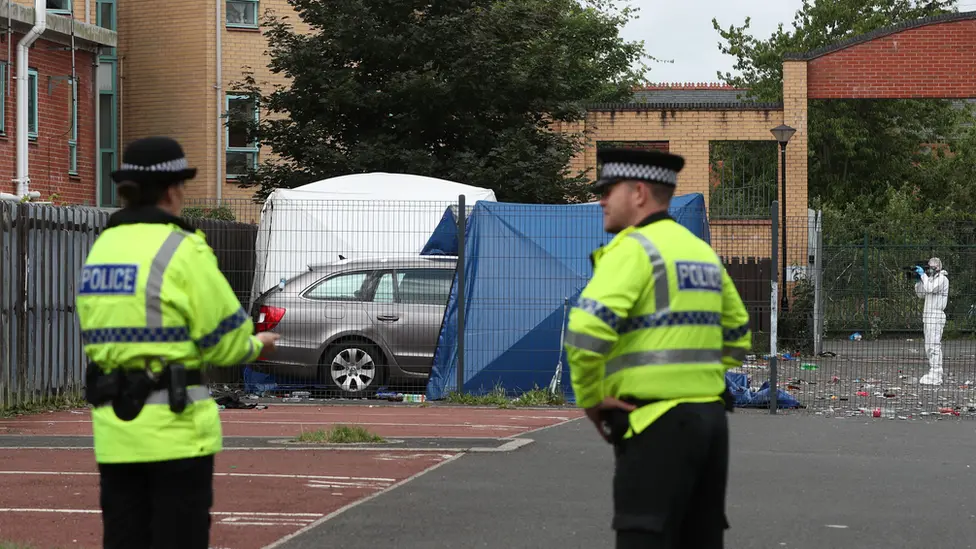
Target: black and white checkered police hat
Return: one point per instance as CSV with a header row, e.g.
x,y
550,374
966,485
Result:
x,y
154,161
637,165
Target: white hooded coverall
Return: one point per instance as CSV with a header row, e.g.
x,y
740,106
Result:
x,y
935,290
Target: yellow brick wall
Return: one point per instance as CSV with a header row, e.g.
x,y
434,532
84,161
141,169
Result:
x,y
246,48
741,238
167,77
795,115
688,133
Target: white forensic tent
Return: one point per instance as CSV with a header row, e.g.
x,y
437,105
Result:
x,y
352,216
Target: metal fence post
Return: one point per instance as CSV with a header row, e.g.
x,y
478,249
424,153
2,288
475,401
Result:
x,y
461,221
867,284
774,312
818,316
7,307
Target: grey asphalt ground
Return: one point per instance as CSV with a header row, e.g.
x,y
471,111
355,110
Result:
x,y
797,482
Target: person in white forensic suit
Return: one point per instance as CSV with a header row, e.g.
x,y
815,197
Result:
x,y
933,286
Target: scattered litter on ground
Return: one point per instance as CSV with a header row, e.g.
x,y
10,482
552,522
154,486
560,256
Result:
x,y
855,375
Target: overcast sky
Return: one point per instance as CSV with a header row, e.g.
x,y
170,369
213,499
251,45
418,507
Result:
x,y
682,31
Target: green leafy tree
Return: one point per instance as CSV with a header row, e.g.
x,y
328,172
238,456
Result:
x,y
858,148
463,90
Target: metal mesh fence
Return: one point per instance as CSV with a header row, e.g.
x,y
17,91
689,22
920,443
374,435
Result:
x,y
862,333
369,301
358,307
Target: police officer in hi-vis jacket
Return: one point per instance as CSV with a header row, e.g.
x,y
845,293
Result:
x,y
648,345
154,311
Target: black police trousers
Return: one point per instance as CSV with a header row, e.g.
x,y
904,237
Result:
x,y
160,505
670,481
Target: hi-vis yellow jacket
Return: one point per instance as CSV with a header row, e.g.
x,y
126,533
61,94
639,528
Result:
x,y
150,287
659,320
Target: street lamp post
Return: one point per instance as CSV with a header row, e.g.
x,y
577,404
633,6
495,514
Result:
x,y
783,133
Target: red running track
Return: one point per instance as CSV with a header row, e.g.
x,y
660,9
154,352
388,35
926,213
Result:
x,y
49,498
284,420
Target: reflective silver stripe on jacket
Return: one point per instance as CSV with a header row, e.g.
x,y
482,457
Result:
x,y
663,358
662,293
588,342
662,316
154,284
195,393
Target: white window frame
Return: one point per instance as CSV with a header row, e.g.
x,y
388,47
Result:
x,y
66,11
251,4
73,140
32,118
253,148
3,97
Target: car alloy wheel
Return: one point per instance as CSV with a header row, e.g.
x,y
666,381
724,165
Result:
x,y
353,369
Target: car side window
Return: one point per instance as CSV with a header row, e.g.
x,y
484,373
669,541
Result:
x,y
344,287
384,289
425,286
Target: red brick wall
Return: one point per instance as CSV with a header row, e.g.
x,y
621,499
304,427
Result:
x,y
48,159
936,61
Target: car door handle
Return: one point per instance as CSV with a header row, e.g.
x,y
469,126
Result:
x,y
388,318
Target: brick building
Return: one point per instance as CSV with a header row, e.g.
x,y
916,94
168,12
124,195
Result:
x,y
60,162
186,93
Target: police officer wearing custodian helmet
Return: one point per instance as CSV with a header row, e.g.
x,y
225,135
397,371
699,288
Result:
x,y
154,310
648,345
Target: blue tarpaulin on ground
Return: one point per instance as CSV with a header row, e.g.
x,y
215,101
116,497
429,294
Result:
x,y
745,397
523,262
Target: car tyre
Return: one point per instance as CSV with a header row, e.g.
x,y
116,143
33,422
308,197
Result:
x,y
352,369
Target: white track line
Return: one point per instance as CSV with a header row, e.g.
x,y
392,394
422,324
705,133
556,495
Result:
x,y
230,518
510,443
544,427
98,512
249,475
356,503
226,422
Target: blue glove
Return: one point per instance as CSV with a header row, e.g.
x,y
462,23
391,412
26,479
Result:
x,y
919,270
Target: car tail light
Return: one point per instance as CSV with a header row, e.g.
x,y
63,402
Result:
x,y
269,317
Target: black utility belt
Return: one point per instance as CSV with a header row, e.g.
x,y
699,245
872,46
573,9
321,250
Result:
x,y
129,390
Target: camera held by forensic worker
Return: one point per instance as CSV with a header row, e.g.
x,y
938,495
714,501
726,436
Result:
x,y
911,273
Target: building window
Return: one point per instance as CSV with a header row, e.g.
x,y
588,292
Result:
x,y
73,141
32,103
242,152
105,18
242,13
59,6
3,98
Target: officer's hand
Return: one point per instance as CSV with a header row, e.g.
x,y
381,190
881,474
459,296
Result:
x,y
268,339
609,403
919,270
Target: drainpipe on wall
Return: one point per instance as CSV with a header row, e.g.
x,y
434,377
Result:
x,y
40,24
98,130
220,105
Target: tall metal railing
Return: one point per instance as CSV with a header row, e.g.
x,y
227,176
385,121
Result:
x,y
373,303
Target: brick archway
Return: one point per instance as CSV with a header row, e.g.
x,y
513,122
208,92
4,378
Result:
x,y
934,57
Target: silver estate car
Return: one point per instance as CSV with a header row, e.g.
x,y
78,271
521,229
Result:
x,y
356,325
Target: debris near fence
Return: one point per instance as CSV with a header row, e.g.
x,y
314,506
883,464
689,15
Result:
x,y
875,384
